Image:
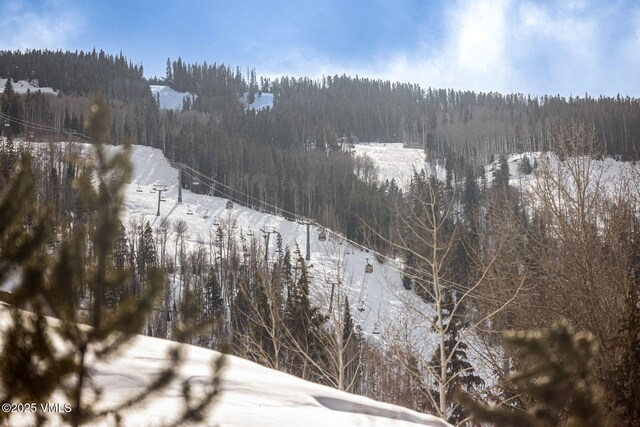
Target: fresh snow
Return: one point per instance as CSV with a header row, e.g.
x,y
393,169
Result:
x,y
250,394
22,86
380,304
262,100
387,305
380,294
394,161
170,99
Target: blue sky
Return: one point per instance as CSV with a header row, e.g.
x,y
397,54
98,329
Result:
x,y
532,47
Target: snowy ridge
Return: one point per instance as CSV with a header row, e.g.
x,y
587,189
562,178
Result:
x,y
250,394
22,86
170,99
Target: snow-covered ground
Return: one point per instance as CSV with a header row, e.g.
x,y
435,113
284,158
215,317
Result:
x,y
261,101
21,87
380,302
606,176
250,394
396,162
335,260
170,99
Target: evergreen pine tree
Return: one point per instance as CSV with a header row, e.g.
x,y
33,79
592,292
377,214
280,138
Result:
x,y
408,270
471,198
525,167
303,324
460,372
501,176
9,106
350,351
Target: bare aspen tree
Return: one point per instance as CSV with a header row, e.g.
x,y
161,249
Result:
x,y
427,235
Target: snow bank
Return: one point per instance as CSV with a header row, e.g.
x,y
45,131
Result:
x,y
250,394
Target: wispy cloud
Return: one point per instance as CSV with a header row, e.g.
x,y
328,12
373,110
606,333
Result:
x,y
522,46
49,24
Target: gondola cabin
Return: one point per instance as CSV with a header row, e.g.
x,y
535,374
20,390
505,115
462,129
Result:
x,y
229,204
322,236
368,268
376,329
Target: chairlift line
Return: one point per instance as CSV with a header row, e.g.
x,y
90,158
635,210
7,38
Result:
x,y
198,178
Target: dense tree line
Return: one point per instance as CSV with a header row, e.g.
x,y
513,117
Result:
x,y
78,73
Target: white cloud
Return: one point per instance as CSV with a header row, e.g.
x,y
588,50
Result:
x,y
53,26
509,46
521,46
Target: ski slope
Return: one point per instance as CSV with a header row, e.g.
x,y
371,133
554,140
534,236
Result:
x,y
22,86
170,99
250,394
394,161
262,101
380,298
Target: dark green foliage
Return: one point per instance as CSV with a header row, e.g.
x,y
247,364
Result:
x,y
213,296
525,166
470,196
408,270
557,378
147,256
9,107
351,347
304,324
501,176
78,73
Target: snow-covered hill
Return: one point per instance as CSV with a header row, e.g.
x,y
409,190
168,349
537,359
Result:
x,y
250,394
394,161
261,101
170,99
379,296
21,87
380,303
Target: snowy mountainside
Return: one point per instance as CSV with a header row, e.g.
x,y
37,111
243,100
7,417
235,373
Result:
x,y
250,394
606,174
394,161
262,100
21,87
170,99
335,260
